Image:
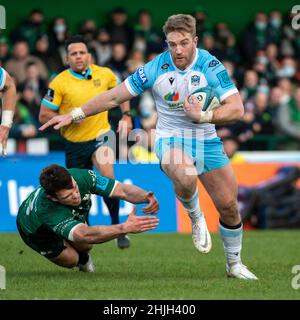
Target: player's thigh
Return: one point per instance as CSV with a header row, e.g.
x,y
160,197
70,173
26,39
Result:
x,y
221,185
179,168
103,160
68,258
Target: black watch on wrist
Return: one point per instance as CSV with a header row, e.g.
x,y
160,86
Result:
x,y
127,113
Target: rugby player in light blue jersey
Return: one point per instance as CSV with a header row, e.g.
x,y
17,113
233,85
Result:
x,y
186,140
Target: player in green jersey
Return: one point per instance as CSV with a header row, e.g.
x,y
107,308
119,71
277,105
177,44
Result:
x,y
52,220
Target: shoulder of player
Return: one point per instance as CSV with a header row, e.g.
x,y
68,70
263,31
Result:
x,y
206,61
101,70
61,77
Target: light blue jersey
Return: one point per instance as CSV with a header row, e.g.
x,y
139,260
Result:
x,y
170,86
2,78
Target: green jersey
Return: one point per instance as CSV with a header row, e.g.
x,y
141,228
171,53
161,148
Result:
x,y
39,216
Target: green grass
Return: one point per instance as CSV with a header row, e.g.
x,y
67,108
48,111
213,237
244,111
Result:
x,y
157,266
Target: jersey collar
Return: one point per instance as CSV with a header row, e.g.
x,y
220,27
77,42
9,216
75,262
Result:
x,y
79,76
189,67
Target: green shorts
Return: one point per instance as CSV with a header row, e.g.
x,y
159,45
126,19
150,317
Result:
x,y
79,154
45,242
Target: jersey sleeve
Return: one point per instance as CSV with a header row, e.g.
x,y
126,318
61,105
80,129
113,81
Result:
x,y
2,78
218,78
98,184
53,96
143,78
60,220
113,79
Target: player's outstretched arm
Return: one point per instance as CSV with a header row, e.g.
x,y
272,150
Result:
x,y
102,102
8,108
135,194
99,234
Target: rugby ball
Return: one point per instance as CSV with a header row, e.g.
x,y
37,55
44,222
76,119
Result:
x,y
207,97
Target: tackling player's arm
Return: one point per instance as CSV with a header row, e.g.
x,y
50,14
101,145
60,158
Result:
x,y
9,100
98,234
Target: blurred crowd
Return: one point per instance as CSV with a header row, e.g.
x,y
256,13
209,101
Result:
x,y
262,62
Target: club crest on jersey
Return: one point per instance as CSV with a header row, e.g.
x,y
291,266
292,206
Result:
x,y
141,75
172,96
97,82
195,80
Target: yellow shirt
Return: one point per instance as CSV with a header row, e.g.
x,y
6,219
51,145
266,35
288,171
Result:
x,y
69,90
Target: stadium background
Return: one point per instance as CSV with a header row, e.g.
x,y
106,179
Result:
x,y
19,171
156,266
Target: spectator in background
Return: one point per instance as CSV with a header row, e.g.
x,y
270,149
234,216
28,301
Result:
x,y
231,147
275,26
58,33
289,116
4,50
256,36
250,85
201,22
118,60
34,81
102,47
29,101
147,38
16,65
287,69
272,62
286,86
119,30
209,44
24,126
31,29
88,30
52,59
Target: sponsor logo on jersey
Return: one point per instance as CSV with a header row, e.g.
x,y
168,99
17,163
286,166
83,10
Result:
x,y
49,95
172,96
171,80
165,66
195,80
141,75
213,63
224,79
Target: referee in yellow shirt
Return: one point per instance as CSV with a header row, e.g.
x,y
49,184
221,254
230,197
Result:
x,y
86,142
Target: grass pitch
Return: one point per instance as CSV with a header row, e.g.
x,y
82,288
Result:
x,y
157,266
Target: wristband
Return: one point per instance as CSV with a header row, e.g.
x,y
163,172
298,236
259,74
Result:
x,y
77,114
206,116
127,113
7,118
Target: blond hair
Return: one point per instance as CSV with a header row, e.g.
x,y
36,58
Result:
x,y
181,23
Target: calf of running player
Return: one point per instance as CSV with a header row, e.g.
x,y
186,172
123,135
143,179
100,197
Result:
x,y
52,220
180,134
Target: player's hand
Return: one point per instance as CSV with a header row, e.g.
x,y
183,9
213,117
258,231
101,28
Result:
x,y
58,122
4,131
193,108
153,206
137,224
125,125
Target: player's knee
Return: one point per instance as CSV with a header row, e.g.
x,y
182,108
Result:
x,y
229,209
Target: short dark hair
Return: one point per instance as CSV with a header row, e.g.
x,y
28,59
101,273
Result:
x,y
78,38
54,178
